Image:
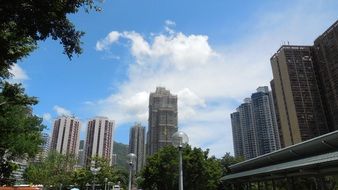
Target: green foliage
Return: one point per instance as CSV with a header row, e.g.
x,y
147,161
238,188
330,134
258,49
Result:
x,y
55,170
59,169
112,174
228,160
23,23
20,130
121,150
199,170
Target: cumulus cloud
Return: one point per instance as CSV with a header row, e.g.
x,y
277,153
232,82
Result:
x,y
210,82
18,73
47,117
61,111
107,41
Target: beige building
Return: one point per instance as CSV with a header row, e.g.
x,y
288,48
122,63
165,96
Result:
x,y
300,110
99,141
65,136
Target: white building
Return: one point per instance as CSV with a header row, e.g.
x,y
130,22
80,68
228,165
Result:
x,y
65,136
99,141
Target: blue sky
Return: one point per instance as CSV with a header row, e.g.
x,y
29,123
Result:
x,y
212,54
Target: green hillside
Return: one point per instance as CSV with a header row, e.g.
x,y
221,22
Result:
x,y
121,150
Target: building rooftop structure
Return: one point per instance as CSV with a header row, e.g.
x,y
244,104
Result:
x,y
317,155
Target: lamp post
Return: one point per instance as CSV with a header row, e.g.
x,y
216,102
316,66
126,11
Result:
x,y
180,141
105,183
94,171
131,161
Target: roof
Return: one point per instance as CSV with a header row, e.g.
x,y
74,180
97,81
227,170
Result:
x,y
316,146
317,162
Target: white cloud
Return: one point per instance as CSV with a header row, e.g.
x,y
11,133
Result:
x,y
170,23
209,81
18,73
107,41
168,26
61,111
47,117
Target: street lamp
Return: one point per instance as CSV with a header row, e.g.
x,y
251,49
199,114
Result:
x,y
94,171
180,141
131,161
105,183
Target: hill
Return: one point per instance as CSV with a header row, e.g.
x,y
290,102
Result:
x,y
121,150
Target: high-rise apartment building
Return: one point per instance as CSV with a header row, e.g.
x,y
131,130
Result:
x,y
65,136
267,136
137,145
99,141
237,134
81,153
326,64
297,98
162,122
254,125
248,129
279,127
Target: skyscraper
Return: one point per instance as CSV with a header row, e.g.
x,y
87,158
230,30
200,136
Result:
x,y
137,144
81,153
298,100
254,125
326,64
266,129
248,129
162,122
65,136
99,141
237,134
279,127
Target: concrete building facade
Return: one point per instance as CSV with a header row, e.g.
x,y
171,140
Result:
x,y
326,65
267,136
298,99
65,136
249,139
81,153
237,134
162,122
137,145
99,140
254,125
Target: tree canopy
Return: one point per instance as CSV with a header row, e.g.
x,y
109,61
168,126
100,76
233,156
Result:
x,y
23,23
59,170
20,130
199,170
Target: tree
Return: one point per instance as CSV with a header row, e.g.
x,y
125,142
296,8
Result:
x,y
55,171
58,170
111,173
23,23
199,170
228,160
20,130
